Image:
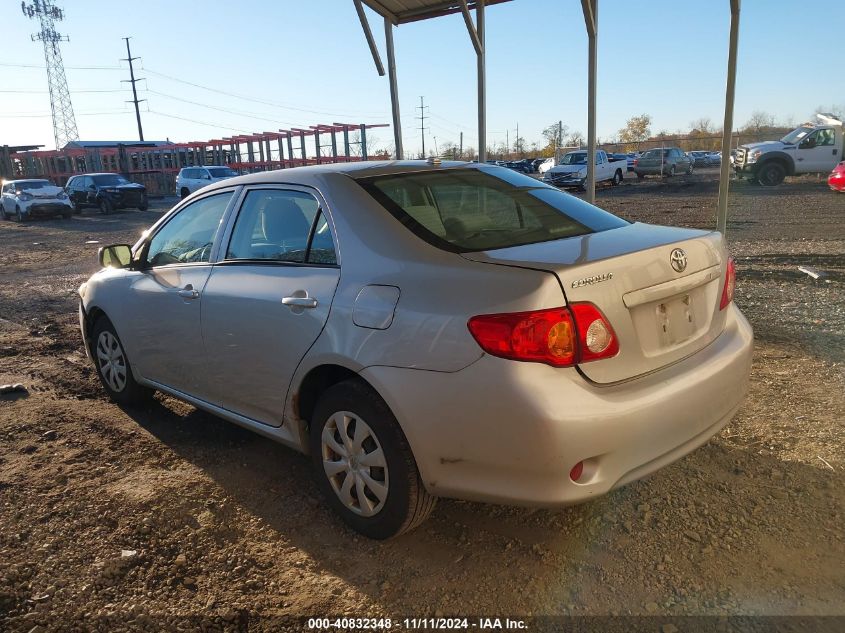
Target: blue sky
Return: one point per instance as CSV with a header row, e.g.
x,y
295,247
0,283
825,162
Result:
x,y
310,61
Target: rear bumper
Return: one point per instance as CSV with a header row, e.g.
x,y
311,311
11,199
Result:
x,y
507,432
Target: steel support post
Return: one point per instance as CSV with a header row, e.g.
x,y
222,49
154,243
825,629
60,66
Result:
x,y
591,21
482,82
727,127
394,91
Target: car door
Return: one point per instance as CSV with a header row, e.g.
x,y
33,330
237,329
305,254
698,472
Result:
x,y
5,197
817,152
165,296
268,298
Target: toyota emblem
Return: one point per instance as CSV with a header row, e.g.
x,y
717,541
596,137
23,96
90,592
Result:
x,y
678,259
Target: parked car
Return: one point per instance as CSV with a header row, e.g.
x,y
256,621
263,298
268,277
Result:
x,y
700,158
631,159
571,173
191,179
546,165
29,197
811,148
836,180
432,356
105,191
666,162
714,158
535,164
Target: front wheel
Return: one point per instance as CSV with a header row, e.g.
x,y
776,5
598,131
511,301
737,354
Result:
x,y
671,171
363,463
184,193
144,206
771,174
20,216
105,206
689,170
617,178
113,366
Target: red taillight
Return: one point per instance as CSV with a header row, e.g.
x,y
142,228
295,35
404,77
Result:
x,y
730,284
577,471
636,162
560,337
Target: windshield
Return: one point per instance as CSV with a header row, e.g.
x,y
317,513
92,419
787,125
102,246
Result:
x,y
796,135
110,180
222,172
463,210
26,185
578,158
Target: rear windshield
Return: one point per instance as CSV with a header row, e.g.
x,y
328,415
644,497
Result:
x,y
222,172
655,153
110,180
464,210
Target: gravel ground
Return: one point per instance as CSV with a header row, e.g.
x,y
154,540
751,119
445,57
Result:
x,y
138,519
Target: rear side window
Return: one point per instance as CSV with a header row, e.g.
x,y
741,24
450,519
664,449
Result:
x,y
464,210
278,225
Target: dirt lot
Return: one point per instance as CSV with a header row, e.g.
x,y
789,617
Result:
x,y
141,518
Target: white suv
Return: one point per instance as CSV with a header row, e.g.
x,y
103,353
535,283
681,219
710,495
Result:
x,y
192,178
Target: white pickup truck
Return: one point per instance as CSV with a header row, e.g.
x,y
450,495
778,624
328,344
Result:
x,y
571,172
815,147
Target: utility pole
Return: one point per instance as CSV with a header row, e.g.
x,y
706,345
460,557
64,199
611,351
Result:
x,y
507,144
64,121
422,119
436,151
462,146
132,80
516,142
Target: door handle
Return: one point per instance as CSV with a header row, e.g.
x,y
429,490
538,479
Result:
x,y
300,302
188,292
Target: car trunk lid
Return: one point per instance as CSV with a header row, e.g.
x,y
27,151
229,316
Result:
x,y
660,314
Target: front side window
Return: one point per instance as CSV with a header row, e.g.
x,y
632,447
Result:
x,y
188,237
275,225
466,210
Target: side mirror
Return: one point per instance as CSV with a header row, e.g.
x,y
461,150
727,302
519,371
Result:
x,y
809,143
206,177
115,256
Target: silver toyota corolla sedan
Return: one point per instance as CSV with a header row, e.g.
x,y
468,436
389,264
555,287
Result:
x,y
428,330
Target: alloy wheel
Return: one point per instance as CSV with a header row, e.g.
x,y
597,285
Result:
x,y
354,463
111,361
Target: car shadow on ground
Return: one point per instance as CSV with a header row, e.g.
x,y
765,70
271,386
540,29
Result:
x,y
578,559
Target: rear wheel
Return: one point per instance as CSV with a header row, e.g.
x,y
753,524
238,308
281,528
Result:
x,y
690,169
113,366
617,177
144,206
105,206
771,174
671,171
364,466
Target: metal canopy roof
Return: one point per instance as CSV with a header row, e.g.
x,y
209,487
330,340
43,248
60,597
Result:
x,y
404,11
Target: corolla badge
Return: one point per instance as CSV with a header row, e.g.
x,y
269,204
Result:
x,y
589,281
678,259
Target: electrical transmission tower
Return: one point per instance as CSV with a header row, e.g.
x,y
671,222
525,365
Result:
x,y
422,108
64,123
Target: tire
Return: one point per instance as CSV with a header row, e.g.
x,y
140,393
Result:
x,y
113,366
184,193
671,171
77,209
402,502
617,178
689,170
771,174
144,207
20,216
105,206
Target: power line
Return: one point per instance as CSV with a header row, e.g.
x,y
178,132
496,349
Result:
x,y
261,101
217,125
211,107
12,65
29,115
44,92
133,81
